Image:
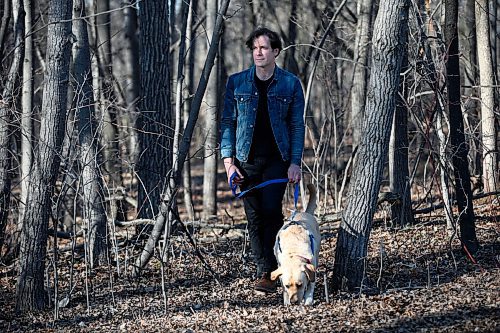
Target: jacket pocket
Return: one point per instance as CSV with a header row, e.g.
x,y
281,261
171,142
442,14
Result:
x,y
284,105
242,101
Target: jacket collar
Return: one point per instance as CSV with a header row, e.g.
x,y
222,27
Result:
x,y
251,73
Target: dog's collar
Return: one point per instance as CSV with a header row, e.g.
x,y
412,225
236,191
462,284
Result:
x,y
307,260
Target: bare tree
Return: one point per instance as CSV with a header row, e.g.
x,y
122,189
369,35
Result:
x,y
174,178
486,74
5,23
30,283
360,70
458,145
388,43
211,125
93,195
7,105
154,122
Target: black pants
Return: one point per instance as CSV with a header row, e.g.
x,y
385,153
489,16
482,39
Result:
x,y
263,207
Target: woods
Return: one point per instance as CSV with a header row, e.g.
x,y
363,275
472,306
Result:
x,y
110,165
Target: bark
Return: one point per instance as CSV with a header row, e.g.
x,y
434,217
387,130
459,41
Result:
x,y
188,78
154,123
132,89
486,74
5,24
360,70
94,214
401,214
388,43
211,125
106,94
7,106
30,284
174,178
458,145
26,116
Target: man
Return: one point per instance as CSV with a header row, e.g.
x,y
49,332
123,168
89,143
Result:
x,y
262,138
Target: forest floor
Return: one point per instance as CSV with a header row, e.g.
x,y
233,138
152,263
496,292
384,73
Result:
x,y
417,280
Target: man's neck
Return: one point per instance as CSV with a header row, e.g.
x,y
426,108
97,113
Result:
x,y
265,73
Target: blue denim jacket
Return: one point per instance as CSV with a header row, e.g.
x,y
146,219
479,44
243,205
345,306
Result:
x,y
285,101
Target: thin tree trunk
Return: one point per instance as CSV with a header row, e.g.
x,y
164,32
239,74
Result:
x,y
5,24
30,284
188,79
93,197
211,125
486,74
132,71
458,145
26,116
7,105
401,214
174,178
389,43
360,71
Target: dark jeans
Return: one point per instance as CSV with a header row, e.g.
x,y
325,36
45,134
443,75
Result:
x,y
263,207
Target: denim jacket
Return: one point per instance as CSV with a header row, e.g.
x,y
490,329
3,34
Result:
x,y
285,101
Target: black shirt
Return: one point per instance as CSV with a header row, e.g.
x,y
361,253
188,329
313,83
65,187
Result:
x,y
263,141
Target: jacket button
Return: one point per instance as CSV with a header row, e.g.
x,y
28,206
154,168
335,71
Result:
x,y
255,93
284,100
241,99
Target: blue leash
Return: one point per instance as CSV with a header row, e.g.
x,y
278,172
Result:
x,y
264,184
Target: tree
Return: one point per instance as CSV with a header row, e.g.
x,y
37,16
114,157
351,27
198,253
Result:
x,y
458,145
154,122
486,75
399,176
173,179
30,283
93,197
211,125
388,43
7,104
361,53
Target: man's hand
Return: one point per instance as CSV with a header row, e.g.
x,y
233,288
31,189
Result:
x,y
294,173
230,169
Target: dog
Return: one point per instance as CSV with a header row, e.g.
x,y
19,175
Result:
x,y
296,249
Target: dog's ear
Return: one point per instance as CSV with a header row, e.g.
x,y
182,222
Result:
x,y
276,274
310,272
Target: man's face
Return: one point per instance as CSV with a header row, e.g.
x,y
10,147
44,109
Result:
x,y
263,55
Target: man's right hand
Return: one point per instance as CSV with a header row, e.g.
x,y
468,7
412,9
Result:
x,y
230,170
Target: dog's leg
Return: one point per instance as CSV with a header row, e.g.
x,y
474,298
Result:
x,y
286,298
309,294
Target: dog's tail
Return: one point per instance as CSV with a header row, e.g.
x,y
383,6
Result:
x,y
311,205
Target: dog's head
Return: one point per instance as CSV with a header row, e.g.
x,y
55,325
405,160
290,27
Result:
x,y
295,279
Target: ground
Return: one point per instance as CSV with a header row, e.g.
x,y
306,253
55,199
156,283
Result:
x,y
416,280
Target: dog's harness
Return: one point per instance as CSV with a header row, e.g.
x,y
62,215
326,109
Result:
x,y
311,238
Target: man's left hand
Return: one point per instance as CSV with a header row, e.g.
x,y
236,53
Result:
x,y
294,173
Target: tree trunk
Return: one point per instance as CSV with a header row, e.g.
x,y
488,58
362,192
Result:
x,y
154,123
7,106
5,24
389,43
30,284
488,133
360,71
458,146
174,178
132,90
26,116
401,214
188,79
94,213
211,125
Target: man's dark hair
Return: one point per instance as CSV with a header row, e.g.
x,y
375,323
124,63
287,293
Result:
x,y
274,38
